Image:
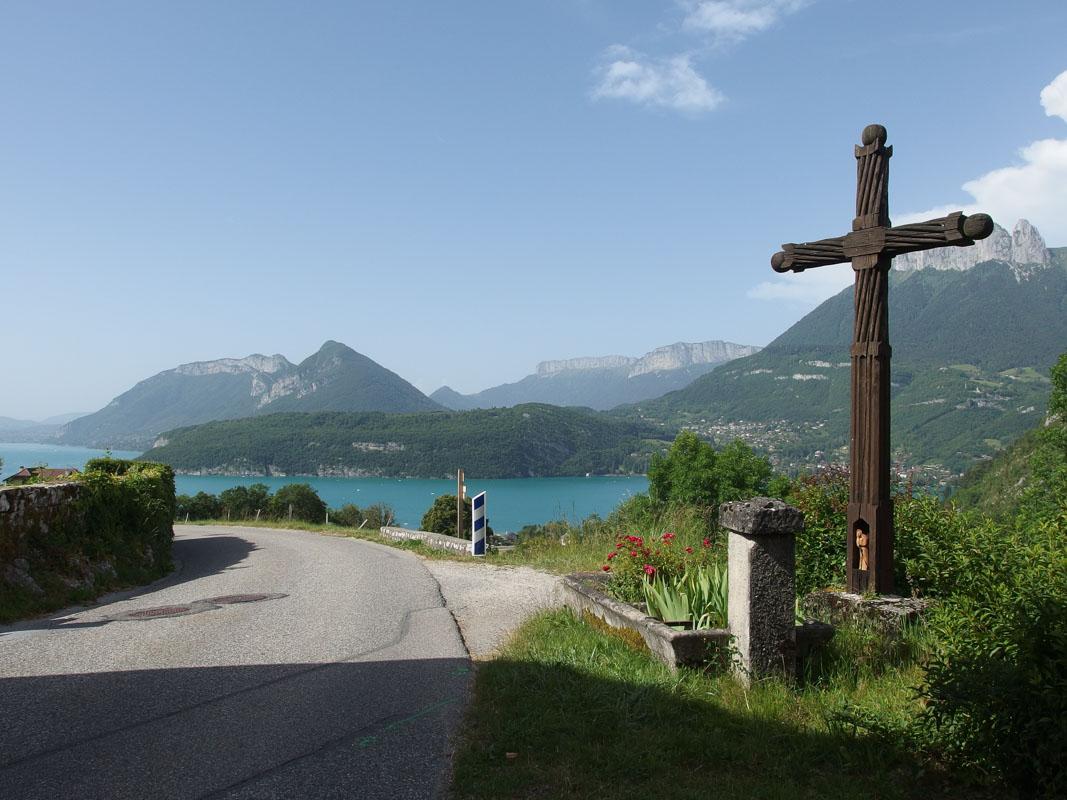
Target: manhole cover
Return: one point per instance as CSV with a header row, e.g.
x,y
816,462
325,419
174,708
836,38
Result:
x,y
162,612
231,599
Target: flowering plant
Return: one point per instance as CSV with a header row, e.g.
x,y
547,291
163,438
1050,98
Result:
x,y
637,560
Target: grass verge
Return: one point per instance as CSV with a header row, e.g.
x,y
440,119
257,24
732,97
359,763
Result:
x,y
570,711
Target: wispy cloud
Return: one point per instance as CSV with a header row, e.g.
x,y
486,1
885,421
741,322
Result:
x,y
807,289
666,82
673,81
1032,189
734,20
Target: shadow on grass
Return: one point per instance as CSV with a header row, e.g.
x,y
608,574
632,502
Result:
x,y
575,714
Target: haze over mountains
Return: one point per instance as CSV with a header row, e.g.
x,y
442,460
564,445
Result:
x,y
603,382
336,378
973,340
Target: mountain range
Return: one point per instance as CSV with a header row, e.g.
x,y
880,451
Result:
x,y
973,339
603,382
336,378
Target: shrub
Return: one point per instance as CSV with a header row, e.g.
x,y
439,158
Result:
x,y
129,510
694,474
820,559
302,499
348,515
242,502
441,517
200,506
996,689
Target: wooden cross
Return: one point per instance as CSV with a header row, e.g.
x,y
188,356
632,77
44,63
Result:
x,y
871,247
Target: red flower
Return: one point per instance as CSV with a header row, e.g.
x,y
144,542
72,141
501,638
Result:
x,y
612,554
618,545
668,536
606,568
688,550
707,542
649,569
633,554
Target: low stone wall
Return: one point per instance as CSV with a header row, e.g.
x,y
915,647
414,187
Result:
x,y
437,540
62,543
30,518
581,593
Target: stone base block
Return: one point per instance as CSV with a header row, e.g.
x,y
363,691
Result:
x,y
888,611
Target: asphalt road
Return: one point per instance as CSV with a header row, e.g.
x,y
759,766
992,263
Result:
x,y
349,686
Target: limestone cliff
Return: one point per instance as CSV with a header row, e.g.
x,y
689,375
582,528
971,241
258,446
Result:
x,y
1024,249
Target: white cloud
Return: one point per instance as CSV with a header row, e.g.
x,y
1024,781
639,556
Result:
x,y
734,20
808,288
1054,97
1033,189
666,82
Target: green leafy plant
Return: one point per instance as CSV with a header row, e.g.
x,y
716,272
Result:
x,y
698,596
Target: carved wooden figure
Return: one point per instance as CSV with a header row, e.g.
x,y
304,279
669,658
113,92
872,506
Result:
x,y
871,246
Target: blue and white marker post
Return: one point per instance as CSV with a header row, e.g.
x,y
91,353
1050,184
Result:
x,y
478,525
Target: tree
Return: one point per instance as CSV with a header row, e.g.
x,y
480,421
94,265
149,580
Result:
x,y
686,475
740,473
305,502
441,517
693,473
244,501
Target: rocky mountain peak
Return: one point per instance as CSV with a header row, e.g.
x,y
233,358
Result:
x,y
236,366
1024,249
687,354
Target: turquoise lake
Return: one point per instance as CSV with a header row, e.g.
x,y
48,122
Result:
x,y
511,503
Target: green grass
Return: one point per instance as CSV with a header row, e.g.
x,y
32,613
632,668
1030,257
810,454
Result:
x,y
589,715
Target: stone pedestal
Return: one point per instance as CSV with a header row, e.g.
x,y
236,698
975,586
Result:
x,y
762,598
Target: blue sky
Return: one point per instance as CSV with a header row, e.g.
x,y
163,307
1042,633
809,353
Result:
x,y
459,190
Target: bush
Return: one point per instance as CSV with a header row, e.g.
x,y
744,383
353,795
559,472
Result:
x,y
129,511
996,689
304,501
200,506
694,474
348,515
820,559
441,517
379,515
243,502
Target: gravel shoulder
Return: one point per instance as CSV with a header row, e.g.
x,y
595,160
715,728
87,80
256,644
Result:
x,y
490,602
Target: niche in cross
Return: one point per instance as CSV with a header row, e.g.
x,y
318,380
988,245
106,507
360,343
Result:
x,y
871,246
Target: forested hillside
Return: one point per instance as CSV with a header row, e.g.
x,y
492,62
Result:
x,y
525,441
971,353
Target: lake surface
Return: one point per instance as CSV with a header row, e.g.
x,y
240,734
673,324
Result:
x,y
511,503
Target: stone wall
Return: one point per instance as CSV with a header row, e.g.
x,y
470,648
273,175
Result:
x,y
35,521
438,540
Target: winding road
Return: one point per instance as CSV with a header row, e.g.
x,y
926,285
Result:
x,y
347,680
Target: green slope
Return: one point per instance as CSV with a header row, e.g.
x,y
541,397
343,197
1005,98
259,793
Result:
x,y
524,441
970,354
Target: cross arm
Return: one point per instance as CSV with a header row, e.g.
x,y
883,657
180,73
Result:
x,y
956,230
